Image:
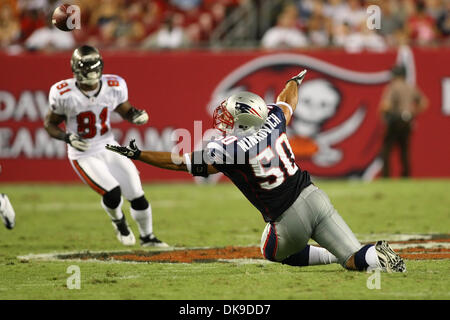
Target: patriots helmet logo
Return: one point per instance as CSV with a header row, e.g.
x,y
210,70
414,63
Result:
x,y
245,108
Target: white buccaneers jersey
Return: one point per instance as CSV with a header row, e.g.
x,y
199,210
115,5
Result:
x,y
89,117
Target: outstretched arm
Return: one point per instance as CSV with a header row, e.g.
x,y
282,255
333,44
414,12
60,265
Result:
x,y
288,97
164,160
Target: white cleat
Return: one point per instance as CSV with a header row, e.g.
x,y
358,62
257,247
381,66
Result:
x,y
123,232
388,260
7,213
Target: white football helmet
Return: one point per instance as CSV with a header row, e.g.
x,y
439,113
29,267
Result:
x,y
242,113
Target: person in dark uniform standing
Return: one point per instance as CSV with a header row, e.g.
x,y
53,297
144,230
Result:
x,y
400,104
253,151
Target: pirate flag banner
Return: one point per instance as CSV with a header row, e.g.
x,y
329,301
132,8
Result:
x,y
336,131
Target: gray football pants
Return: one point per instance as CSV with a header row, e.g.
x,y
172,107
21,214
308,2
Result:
x,y
311,216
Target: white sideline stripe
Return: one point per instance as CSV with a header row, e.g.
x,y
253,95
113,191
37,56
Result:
x,y
425,245
393,237
246,261
54,255
370,237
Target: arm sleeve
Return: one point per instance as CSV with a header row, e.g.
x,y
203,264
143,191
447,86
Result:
x,y
55,103
196,164
281,103
214,154
275,108
122,91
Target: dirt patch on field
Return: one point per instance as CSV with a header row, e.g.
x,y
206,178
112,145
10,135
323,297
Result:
x,y
176,255
196,255
420,249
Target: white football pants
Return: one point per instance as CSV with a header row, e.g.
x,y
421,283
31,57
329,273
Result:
x,y
106,170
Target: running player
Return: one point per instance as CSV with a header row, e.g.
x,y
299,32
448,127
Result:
x,y
85,104
255,154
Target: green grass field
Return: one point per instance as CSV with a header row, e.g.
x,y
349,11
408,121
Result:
x,y
67,218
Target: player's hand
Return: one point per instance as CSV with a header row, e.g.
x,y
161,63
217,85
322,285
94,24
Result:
x,y
140,117
299,78
76,141
131,151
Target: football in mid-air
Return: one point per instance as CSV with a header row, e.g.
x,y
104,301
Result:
x,y
63,18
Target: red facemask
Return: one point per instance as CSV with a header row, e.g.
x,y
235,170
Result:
x,y
223,120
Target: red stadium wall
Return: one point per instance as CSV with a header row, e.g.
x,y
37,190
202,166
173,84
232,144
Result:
x,y
178,88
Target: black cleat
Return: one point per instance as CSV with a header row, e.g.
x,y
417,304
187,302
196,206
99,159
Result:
x,y
123,232
152,241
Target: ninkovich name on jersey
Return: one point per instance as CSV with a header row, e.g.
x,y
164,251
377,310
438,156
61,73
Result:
x,y
261,165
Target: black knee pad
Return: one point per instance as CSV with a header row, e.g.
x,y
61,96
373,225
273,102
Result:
x,y
112,198
299,259
360,258
139,203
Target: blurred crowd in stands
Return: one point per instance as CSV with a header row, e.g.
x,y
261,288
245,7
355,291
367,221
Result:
x,y
337,23
171,24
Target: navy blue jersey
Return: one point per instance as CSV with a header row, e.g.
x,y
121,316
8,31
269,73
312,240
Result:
x,y
261,165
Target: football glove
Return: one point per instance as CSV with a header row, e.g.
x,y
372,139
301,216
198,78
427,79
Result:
x,y
139,117
298,78
131,151
76,141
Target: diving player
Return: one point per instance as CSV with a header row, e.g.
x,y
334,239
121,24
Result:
x,y
255,154
85,104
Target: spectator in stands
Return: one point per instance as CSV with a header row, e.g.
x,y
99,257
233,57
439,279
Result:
x,y
171,35
194,34
186,5
306,8
206,24
392,21
318,27
364,39
443,23
49,38
434,8
104,20
334,10
354,14
31,20
105,12
339,34
126,23
130,29
9,26
285,33
191,9
421,26
350,13
152,15
218,12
